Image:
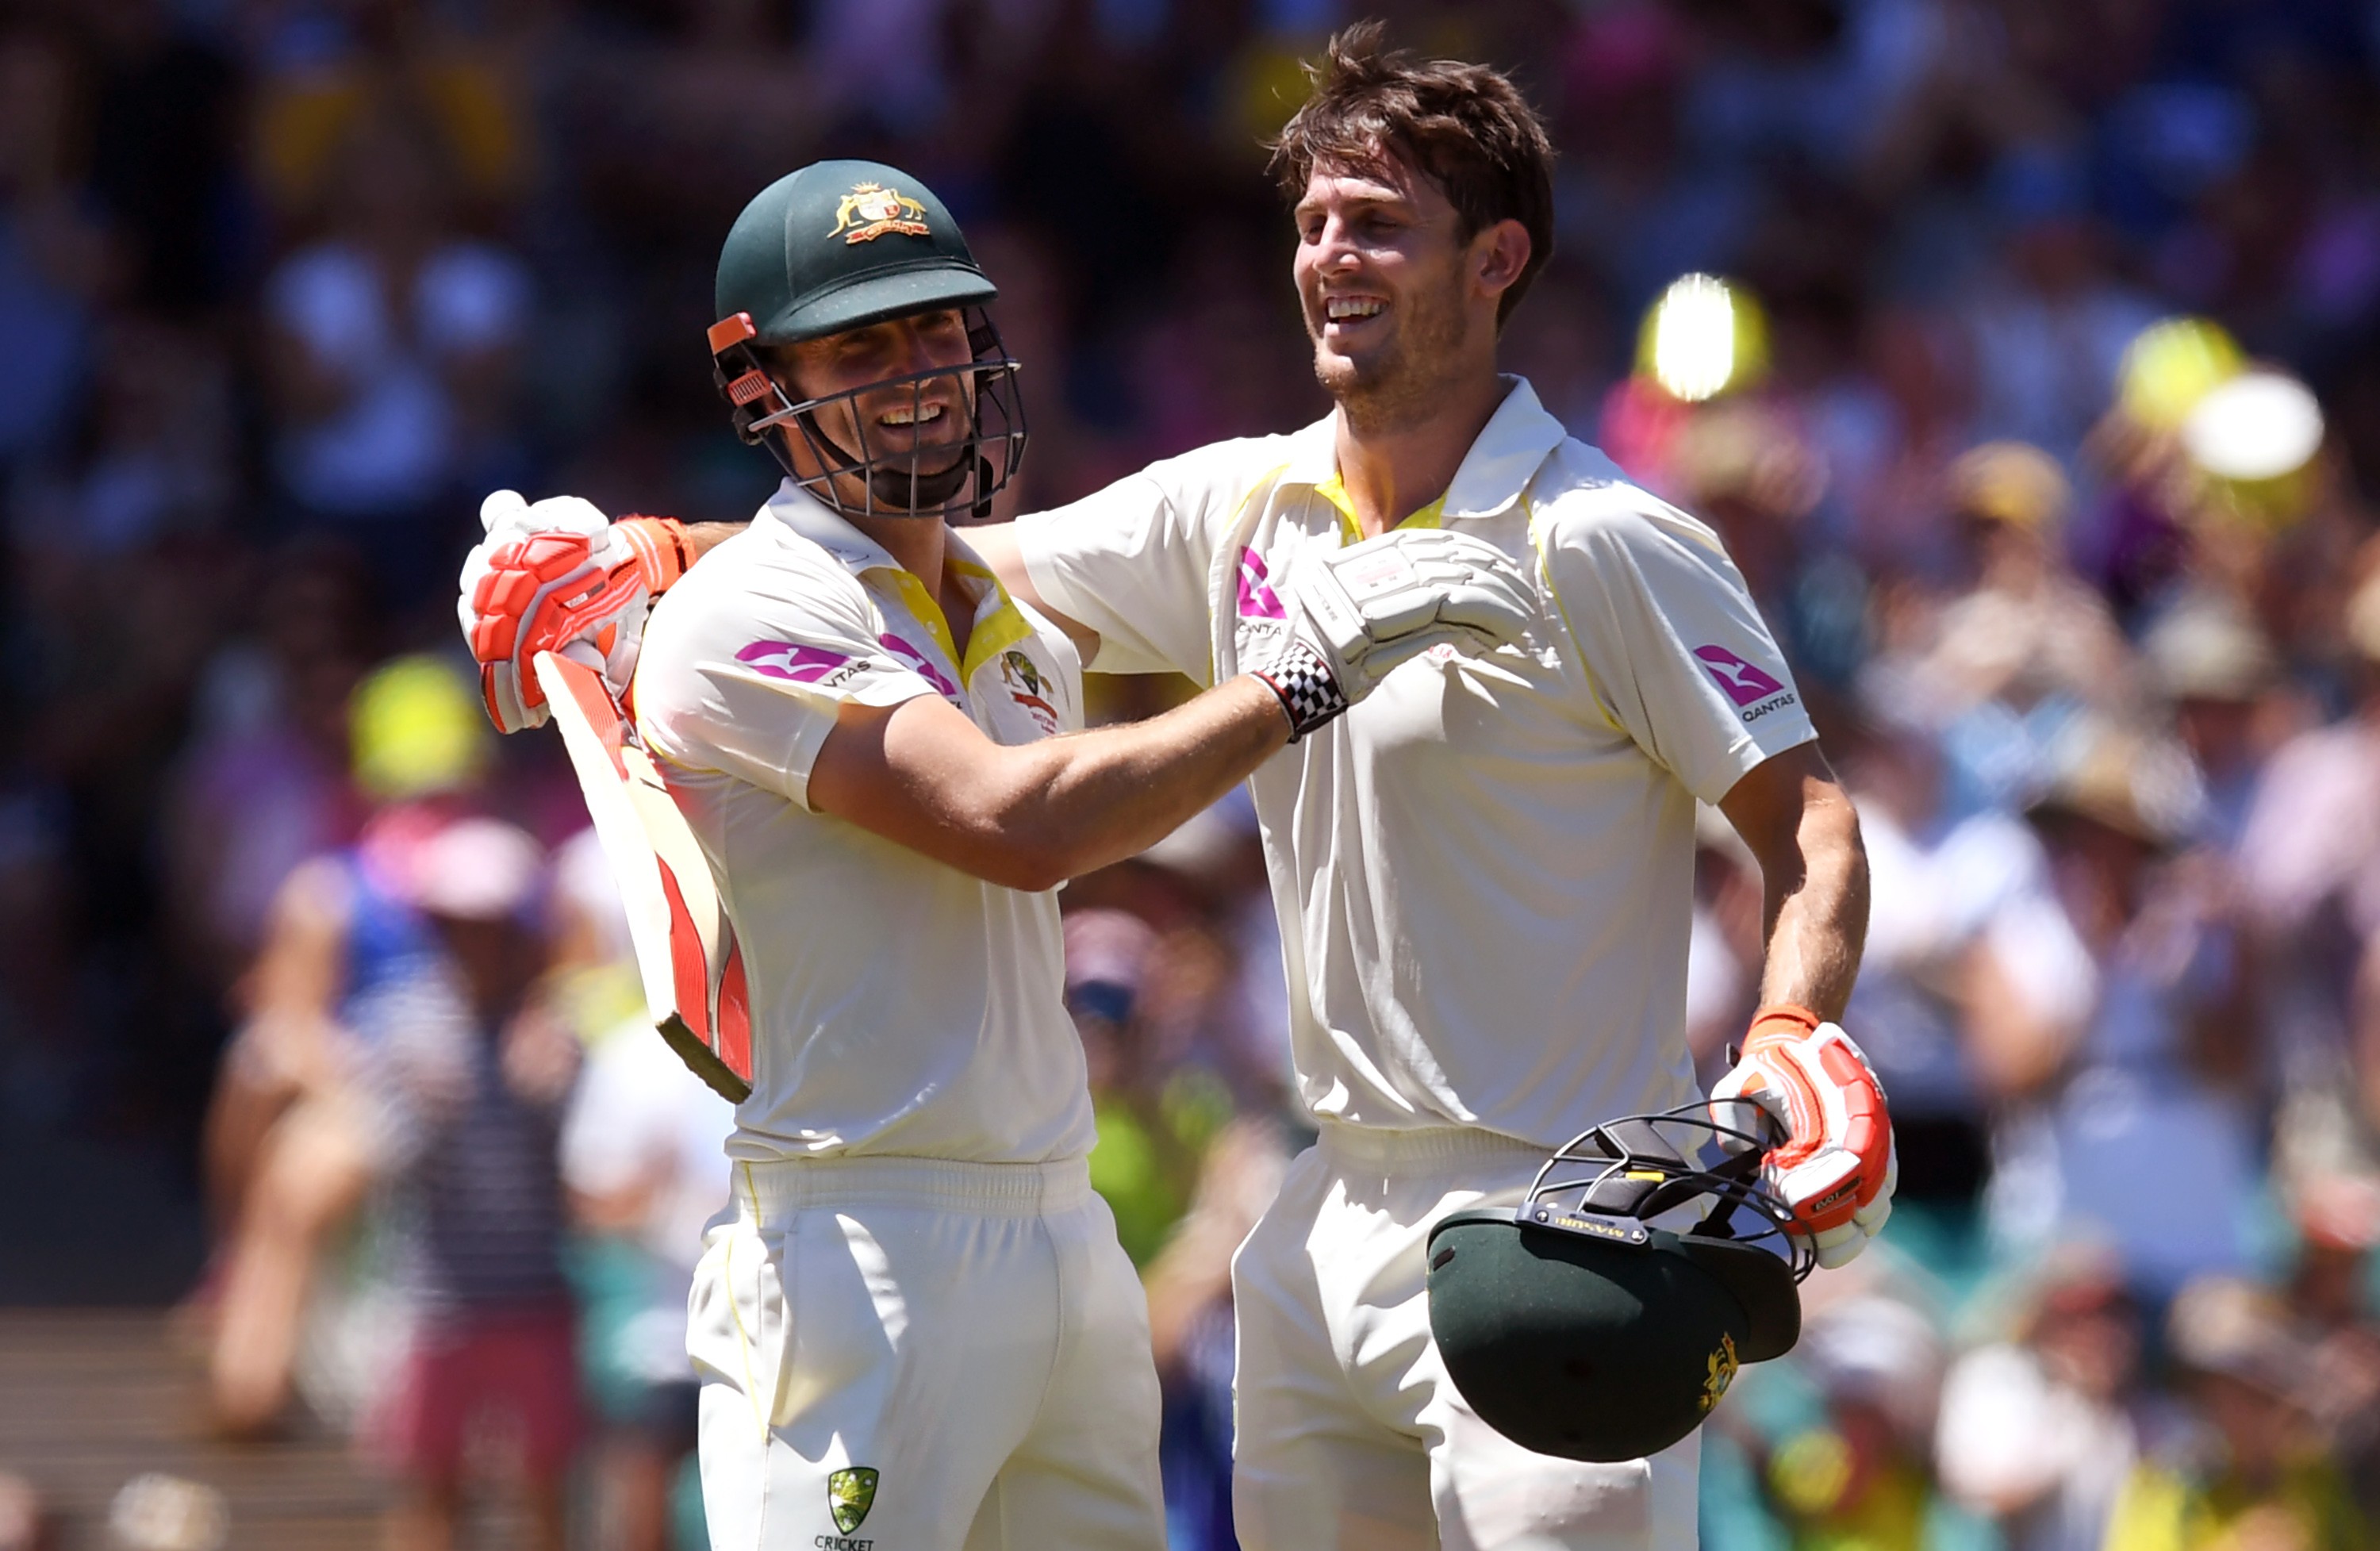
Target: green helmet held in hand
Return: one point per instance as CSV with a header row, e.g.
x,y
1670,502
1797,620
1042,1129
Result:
x,y
1574,1327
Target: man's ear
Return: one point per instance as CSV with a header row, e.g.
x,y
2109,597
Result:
x,y
1499,255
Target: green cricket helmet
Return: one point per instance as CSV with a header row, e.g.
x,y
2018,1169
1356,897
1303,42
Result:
x,y
838,246
1575,1327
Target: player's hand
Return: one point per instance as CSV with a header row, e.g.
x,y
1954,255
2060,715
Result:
x,y
1355,614
558,575
1837,1167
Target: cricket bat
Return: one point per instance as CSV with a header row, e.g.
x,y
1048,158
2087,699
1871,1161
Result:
x,y
686,952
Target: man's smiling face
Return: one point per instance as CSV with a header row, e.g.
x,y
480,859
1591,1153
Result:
x,y
931,419
1380,276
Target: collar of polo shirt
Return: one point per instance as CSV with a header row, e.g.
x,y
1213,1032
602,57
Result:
x,y
1499,466
998,624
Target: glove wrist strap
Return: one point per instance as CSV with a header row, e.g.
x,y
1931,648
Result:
x,y
661,549
1310,696
1781,1020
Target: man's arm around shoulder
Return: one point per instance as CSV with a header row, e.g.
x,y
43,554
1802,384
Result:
x,y
922,774
1032,816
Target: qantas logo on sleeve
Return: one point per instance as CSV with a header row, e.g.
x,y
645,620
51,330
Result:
x,y
790,660
1745,684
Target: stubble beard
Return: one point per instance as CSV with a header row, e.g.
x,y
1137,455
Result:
x,y
1404,381
942,472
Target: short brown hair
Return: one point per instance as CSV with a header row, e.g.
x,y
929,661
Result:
x,y
1466,127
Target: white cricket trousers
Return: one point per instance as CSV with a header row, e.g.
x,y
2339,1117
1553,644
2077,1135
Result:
x,y
923,1356
1350,1436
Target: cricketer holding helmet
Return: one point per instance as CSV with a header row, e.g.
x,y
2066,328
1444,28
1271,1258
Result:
x,y
913,1325
1483,874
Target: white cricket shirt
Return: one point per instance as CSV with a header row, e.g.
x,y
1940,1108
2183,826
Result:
x,y
1484,871
899,1006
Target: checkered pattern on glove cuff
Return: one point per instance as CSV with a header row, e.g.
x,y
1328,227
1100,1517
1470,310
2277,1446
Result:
x,y
1309,694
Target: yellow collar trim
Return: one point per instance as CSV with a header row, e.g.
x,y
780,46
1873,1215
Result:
x,y
999,624
928,612
1334,490
997,629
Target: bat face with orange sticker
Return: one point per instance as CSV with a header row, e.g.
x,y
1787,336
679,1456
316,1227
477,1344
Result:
x,y
686,953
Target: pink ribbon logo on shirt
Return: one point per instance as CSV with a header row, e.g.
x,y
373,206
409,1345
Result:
x,y
791,660
917,659
1744,684
1257,598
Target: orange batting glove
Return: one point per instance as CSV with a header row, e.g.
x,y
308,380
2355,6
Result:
x,y
558,575
1836,1166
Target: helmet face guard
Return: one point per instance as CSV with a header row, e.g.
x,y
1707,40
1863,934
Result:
x,y
1574,1326
1637,1168
954,480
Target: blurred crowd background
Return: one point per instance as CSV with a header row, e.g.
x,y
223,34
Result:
x,y
2026,353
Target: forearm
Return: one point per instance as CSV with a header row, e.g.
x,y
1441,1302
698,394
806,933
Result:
x,y
1829,1156
1034,815
1814,892
1114,792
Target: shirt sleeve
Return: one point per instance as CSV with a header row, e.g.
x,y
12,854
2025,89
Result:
x,y
1133,562
746,678
1675,653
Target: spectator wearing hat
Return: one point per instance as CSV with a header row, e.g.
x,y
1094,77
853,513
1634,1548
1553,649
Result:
x,y
288,1154
2106,1008
2210,662
2039,1430
1748,465
470,1077
2256,1473
1860,1478
2028,628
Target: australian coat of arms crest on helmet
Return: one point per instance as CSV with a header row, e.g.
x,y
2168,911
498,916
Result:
x,y
1722,1371
870,210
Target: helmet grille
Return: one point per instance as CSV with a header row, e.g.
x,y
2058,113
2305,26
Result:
x,y
1627,1172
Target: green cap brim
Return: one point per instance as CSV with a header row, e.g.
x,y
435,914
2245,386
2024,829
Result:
x,y
881,294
